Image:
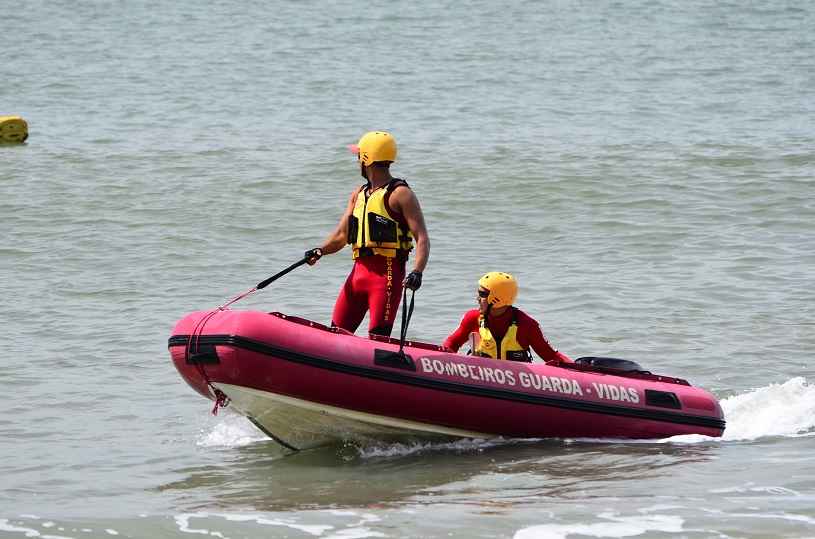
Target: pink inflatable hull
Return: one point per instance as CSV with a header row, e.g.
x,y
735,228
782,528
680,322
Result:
x,y
307,385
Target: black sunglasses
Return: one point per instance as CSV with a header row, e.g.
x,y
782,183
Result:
x,y
483,293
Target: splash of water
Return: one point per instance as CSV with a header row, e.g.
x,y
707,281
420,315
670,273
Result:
x,y
786,409
232,430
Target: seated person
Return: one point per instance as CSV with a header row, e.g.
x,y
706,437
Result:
x,y
501,330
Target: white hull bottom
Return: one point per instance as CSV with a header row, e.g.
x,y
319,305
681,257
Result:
x,y
301,424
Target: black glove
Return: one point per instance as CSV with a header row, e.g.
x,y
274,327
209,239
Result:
x,y
313,255
413,280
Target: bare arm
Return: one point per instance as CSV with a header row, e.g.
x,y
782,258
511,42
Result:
x,y
405,202
339,237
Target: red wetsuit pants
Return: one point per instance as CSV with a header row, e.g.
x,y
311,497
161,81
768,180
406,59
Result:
x,y
375,285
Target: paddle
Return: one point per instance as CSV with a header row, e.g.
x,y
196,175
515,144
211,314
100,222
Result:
x,y
263,284
266,282
400,359
405,320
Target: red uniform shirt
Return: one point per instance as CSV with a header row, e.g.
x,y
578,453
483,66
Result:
x,y
529,333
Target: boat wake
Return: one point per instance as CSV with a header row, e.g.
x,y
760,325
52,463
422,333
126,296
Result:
x,y
405,449
786,409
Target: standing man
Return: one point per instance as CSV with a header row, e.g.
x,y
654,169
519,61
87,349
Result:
x,y
381,223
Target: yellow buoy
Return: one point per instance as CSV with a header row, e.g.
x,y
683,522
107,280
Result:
x,y
13,129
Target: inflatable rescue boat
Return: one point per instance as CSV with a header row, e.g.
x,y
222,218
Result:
x,y
306,385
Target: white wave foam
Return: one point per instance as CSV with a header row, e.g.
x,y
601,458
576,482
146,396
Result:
x,y
232,430
6,526
791,517
617,527
183,522
778,491
786,409
355,533
465,445
312,529
356,530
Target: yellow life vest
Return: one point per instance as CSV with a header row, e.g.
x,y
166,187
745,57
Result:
x,y
372,230
509,348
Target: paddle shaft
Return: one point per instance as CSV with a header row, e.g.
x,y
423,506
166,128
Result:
x,y
407,312
263,284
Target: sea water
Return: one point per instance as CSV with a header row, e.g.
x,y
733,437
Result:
x,y
645,169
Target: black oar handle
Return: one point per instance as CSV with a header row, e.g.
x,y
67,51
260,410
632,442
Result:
x,y
405,319
276,276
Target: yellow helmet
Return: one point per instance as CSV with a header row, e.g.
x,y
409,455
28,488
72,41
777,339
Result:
x,y
503,288
375,146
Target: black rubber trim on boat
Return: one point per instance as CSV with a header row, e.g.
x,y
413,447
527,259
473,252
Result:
x,y
413,380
